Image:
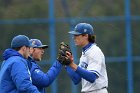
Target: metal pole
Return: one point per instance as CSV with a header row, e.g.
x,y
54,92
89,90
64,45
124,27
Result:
x,y
74,49
52,39
129,46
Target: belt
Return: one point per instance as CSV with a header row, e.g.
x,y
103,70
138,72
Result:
x,y
103,87
96,90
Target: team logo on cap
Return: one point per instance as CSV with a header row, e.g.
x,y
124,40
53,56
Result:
x,y
85,30
33,43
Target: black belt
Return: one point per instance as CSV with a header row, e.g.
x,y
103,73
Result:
x,y
103,87
97,89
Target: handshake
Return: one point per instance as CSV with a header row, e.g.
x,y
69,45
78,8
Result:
x,y
63,53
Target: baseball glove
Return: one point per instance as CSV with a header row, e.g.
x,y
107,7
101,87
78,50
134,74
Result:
x,y
62,54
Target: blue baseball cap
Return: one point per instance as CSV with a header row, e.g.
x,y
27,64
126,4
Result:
x,y
19,41
82,28
36,43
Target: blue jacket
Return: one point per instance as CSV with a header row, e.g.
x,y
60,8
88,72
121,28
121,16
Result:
x,y
41,79
14,74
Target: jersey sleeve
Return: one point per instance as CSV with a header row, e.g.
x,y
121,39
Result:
x,y
76,78
89,76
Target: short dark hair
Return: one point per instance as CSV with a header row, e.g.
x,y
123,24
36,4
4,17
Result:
x,y
16,48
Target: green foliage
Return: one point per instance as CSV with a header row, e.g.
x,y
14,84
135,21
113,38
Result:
x,y
24,9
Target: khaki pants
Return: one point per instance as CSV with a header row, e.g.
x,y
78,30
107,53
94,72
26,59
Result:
x,y
104,90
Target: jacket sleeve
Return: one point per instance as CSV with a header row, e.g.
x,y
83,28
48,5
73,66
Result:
x,y
76,78
42,79
22,78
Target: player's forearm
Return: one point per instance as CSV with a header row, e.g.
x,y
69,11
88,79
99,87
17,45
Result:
x,y
73,66
73,75
42,79
54,71
89,76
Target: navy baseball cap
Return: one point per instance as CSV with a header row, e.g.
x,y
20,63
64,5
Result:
x,y
19,41
36,43
82,28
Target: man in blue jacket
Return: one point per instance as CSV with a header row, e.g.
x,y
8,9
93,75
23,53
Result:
x,y
41,79
14,75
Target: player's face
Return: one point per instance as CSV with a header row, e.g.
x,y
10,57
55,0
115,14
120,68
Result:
x,y
37,54
31,50
81,40
26,51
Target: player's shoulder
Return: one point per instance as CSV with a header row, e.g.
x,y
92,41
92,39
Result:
x,y
94,48
16,59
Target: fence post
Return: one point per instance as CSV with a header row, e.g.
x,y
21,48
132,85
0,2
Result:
x,y
129,46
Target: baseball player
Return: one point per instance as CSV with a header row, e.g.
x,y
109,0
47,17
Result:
x,y
14,75
91,69
39,78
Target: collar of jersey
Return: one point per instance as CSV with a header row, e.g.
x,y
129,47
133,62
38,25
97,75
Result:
x,y
85,48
